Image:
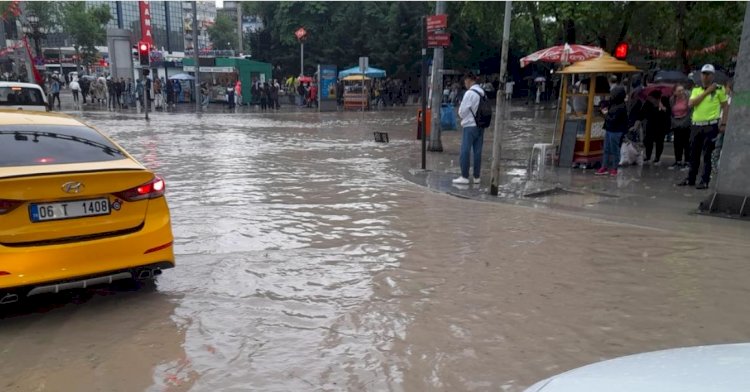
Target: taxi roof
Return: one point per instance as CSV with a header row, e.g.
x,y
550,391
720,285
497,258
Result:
x,y
19,117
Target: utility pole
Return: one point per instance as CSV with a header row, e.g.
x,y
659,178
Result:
x,y
500,104
239,27
301,58
423,116
197,88
437,89
732,192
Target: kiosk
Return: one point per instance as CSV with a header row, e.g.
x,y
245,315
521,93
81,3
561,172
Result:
x,y
582,136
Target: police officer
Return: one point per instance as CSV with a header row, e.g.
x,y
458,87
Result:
x,y
709,104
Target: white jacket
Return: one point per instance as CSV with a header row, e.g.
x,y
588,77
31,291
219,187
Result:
x,y
469,105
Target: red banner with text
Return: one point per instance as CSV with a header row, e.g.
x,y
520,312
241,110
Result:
x,y
146,33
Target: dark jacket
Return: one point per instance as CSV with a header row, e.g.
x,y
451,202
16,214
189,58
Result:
x,y
617,115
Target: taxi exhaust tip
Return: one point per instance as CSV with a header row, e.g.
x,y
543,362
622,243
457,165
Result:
x,y
9,299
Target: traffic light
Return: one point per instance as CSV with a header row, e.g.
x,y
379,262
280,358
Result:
x,y
621,51
143,53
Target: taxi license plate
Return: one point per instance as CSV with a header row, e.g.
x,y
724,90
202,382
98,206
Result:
x,y
69,209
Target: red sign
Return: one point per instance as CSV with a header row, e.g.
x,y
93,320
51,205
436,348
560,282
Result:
x,y
437,22
438,40
301,33
146,33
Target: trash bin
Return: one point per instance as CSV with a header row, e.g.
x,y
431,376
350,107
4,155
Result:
x,y
429,121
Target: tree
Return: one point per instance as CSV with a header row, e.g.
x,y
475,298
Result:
x,y
223,33
86,26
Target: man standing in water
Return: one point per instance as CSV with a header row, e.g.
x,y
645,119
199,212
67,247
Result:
x,y
709,104
473,136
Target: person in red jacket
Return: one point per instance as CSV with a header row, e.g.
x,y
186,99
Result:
x,y
312,98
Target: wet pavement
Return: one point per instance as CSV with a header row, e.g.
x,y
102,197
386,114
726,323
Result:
x,y
310,258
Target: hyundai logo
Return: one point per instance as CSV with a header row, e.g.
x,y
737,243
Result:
x,y
72,187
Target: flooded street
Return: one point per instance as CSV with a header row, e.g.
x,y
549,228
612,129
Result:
x,y
307,262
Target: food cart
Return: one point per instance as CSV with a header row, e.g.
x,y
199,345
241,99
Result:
x,y
582,136
357,92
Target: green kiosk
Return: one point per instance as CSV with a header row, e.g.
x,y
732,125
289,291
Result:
x,y
220,71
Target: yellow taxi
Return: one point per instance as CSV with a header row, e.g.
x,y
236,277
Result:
x,y
75,209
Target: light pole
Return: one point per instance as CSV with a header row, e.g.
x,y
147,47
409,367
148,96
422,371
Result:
x,y
36,32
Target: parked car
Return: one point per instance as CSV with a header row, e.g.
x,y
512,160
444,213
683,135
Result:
x,y
75,209
716,368
22,96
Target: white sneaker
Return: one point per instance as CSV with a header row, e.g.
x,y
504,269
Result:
x,y
461,180
477,180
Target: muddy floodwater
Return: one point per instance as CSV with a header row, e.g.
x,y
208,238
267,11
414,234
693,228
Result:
x,y
307,262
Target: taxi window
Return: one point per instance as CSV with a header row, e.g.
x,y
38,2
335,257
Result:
x,y
29,145
15,96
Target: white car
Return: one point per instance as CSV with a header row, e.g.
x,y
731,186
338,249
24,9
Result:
x,y
718,368
22,96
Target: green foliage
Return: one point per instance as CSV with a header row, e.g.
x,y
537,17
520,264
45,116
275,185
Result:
x,y
86,26
389,32
223,33
42,9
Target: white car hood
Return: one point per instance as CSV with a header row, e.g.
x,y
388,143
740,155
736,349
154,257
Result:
x,y
724,368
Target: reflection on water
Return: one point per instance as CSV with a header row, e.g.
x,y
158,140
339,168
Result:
x,y
306,262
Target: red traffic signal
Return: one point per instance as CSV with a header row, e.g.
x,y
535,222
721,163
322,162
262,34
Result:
x,y
621,51
143,53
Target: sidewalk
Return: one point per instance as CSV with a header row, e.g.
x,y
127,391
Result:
x,y
639,195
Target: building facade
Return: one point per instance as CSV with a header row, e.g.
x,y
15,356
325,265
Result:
x,y
206,18
166,21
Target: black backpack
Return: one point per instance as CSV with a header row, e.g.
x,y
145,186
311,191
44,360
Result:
x,y
483,116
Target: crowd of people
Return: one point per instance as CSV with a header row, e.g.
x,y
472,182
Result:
x,y
693,116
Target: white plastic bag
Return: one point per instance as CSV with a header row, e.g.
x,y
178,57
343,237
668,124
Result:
x,y
629,155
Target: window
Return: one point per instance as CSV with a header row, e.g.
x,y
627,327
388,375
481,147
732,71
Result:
x,y
15,96
28,145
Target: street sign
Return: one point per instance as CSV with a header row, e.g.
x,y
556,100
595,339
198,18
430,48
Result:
x,y
301,33
437,22
438,40
364,63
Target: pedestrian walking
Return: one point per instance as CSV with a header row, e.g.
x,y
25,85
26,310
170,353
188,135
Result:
x,y
157,94
119,88
615,126
139,93
111,94
274,95
170,93
55,90
509,89
679,102
709,104
75,88
238,92
85,84
473,136
230,95
177,91
204,95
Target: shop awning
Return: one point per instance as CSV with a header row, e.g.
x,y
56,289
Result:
x,y
371,72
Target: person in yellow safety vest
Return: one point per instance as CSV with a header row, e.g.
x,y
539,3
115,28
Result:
x,y
709,104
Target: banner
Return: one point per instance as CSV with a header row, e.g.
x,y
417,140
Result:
x,y
328,82
670,54
146,34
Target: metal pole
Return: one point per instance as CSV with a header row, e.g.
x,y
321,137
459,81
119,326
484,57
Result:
x,y
437,89
144,98
239,27
302,58
500,104
197,91
423,116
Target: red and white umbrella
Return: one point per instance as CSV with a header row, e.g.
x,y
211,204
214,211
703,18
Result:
x,y
564,54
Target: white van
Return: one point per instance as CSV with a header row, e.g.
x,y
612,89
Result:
x,y
22,96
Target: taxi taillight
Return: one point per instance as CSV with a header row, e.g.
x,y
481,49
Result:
x,y
7,206
150,190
